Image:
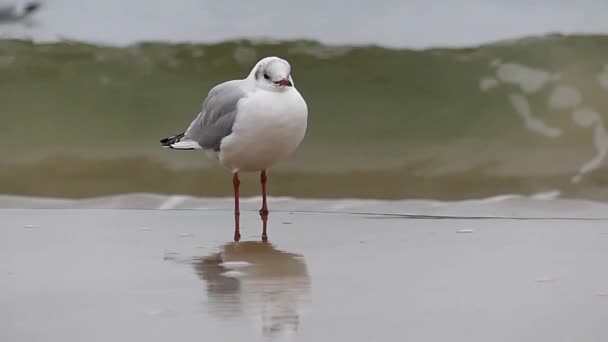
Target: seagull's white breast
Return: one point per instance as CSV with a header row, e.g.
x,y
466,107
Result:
x,y
269,126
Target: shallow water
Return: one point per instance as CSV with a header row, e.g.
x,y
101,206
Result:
x,y
99,275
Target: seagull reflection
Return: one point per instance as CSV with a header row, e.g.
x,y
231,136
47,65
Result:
x,y
257,279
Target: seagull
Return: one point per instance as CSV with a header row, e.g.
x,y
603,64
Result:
x,y
16,10
248,125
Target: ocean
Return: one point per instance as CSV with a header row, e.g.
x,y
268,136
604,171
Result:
x,y
405,101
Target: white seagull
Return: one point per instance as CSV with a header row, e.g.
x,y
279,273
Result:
x,y
249,125
16,10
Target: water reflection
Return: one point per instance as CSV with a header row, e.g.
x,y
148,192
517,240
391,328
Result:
x,y
258,280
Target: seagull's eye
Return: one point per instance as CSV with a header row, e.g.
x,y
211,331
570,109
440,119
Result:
x,y
266,76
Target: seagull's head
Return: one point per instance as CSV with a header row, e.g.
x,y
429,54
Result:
x,y
272,73
24,8
31,7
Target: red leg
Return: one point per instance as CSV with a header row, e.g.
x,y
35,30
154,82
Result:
x,y
237,213
264,210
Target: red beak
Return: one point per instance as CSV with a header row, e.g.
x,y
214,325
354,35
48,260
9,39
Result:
x,y
284,82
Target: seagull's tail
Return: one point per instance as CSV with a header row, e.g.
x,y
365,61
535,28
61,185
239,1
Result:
x,y
180,142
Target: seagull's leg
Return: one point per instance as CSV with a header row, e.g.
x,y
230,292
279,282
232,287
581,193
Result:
x,y
264,210
237,213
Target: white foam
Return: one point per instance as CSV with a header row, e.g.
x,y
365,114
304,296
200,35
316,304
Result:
x,y
233,274
564,97
543,204
235,264
587,117
487,83
531,122
464,231
602,77
172,202
529,80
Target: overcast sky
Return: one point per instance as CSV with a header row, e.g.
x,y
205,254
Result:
x,y
405,23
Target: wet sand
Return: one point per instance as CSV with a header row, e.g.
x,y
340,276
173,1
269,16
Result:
x,y
174,275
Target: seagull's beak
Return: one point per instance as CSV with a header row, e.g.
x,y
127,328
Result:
x,y
284,82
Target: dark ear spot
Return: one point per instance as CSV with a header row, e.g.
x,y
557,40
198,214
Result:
x,y
259,73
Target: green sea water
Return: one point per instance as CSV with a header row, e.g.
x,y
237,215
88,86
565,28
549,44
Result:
x,y
521,116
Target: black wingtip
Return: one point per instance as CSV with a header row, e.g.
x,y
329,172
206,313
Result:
x,y
167,142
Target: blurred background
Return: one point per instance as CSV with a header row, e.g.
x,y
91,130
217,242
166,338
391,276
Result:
x,y
407,99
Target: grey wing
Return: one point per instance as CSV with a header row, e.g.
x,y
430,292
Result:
x,y
217,117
